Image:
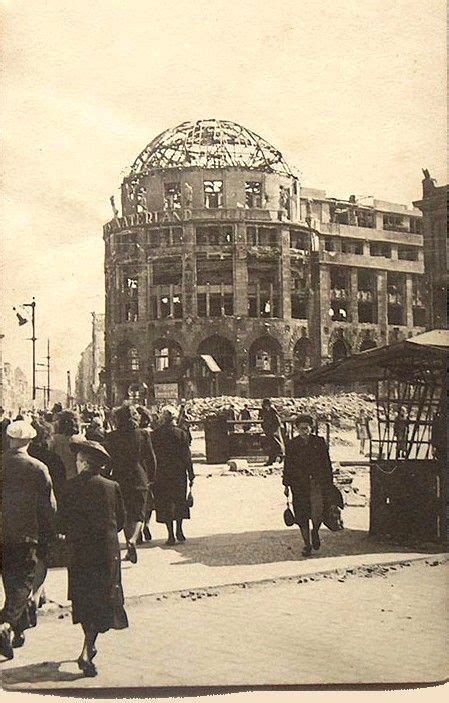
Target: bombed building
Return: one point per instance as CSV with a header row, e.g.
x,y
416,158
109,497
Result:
x,y
225,276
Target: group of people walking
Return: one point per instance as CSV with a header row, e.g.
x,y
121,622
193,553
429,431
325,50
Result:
x,y
63,483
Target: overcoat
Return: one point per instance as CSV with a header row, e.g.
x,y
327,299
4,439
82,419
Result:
x,y
92,513
133,466
174,465
308,472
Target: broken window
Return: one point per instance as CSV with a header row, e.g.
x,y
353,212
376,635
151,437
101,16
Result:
x,y
253,194
213,194
263,288
172,196
262,236
263,360
408,253
351,246
339,311
167,355
365,217
133,359
215,235
299,307
215,271
415,225
418,302
298,240
130,296
394,223
329,244
395,293
380,249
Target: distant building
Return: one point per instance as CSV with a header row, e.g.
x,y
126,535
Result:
x,y
89,382
2,336
224,275
15,390
436,251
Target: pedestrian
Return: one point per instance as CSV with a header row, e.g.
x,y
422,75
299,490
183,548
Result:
x,y
28,511
362,429
174,462
183,420
245,415
308,474
134,468
400,431
95,430
145,425
272,428
92,514
67,428
39,449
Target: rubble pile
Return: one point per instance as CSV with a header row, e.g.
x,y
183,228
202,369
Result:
x,y
339,410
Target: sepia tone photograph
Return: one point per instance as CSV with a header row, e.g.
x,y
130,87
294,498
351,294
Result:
x,y
223,347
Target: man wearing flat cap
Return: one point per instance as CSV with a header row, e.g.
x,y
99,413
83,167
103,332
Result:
x,y
28,511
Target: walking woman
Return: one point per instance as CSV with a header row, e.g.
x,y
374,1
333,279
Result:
x,y
272,427
92,513
362,429
174,466
134,468
308,474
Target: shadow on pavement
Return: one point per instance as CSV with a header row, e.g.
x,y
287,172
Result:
x,y
39,673
263,547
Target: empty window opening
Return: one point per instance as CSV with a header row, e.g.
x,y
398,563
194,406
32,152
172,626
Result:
x,y
253,194
172,196
352,246
339,311
213,194
380,249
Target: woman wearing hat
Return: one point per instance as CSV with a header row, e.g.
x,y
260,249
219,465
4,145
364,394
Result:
x,y
308,474
92,514
174,467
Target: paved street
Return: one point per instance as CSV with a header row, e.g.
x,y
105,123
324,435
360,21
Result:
x,y
366,627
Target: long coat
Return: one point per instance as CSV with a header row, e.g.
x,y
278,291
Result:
x,y
308,472
133,467
174,465
92,513
272,427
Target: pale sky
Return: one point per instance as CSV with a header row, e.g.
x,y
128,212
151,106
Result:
x,y
351,91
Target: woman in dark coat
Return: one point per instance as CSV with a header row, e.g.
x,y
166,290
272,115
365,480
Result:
x,y
272,427
134,468
174,462
92,513
308,473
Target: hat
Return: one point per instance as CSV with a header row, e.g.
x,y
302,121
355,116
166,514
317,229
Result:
x,y
170,409
91,448
20,429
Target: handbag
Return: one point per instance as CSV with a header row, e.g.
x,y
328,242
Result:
x,y
189,499
289,518
332,513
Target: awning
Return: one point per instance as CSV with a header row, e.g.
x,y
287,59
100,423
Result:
x,y
426,352
210,363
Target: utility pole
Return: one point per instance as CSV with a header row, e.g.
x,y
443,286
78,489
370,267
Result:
x,y
33,338
69,390
48,373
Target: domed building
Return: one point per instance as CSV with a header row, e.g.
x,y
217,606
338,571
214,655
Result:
x,y
224,276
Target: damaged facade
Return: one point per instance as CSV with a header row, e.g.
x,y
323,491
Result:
x,y
224,275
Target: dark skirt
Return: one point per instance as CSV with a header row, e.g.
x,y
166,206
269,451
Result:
x,y
135,502
171,500
97,595
308,505
18,568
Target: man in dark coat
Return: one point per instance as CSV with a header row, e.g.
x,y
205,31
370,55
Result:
x,y
174,462
272,427
28,510
308,473
134,468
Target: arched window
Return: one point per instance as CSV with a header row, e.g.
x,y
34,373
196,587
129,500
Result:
x,y
222,351
166,355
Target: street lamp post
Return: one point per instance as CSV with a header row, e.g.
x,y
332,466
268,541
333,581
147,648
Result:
x,y
33,338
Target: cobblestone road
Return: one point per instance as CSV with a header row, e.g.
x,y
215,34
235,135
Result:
x,y
345,629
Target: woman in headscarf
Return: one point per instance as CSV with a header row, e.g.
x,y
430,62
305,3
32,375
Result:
x,y
308,474
134,468
174,462
91,515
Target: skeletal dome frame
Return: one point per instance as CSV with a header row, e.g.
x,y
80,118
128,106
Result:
x,y
210,144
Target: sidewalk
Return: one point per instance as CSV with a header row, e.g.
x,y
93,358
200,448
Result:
x,y
387,628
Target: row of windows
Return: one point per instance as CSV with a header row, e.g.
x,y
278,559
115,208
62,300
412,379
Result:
x,y
213,194
347,214
354,246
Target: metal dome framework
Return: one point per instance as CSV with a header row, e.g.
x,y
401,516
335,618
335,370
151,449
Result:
x,y
210,144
